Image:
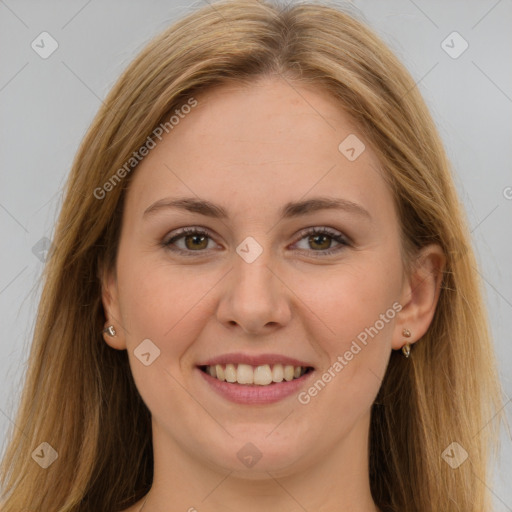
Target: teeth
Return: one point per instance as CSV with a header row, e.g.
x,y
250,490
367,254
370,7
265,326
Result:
x,y
230,373
220,372
262,375
288,373
245,374
258,375
278,373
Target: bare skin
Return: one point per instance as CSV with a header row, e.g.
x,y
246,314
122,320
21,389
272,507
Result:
x,y
251,151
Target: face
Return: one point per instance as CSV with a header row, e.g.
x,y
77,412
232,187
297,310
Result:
x,y
263,275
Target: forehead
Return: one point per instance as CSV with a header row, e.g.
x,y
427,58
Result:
x,y
263,144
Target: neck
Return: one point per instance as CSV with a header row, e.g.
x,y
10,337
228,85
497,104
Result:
x,y
337,481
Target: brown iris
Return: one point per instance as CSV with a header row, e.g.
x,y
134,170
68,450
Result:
x,y
196,242
323,240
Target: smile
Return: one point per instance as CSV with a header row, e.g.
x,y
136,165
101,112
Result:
x,y
261,375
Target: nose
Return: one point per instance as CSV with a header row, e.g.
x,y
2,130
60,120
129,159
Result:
x,y
254,297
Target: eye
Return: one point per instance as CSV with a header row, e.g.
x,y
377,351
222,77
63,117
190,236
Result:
x,y
197,240
188,240
319,240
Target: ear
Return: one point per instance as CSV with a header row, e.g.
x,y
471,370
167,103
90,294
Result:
x,y
110,300
420,294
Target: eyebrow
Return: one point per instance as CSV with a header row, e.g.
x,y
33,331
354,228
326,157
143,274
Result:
x,y
289,210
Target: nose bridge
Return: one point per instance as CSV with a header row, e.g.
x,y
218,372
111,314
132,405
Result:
x,y
253,296
253,282
254,278
251,265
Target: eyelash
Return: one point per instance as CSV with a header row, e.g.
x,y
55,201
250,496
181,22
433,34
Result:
x,y
334,235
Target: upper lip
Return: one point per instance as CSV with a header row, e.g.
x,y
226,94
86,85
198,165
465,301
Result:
x,y
254,360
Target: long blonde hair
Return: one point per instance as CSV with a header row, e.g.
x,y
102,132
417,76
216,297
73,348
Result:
x,y
79,394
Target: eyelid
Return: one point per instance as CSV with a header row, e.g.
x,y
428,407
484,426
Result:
x,y
322,230
183,232
341,239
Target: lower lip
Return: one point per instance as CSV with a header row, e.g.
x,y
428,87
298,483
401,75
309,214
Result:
x,y
254,394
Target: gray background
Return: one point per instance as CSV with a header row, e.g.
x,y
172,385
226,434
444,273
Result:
x,y
46,105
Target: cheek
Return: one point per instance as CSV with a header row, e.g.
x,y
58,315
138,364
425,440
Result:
x,y
356,355
165,303
358,304
352,298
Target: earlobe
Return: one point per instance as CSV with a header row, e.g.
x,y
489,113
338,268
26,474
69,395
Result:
x,y
113,333
420,295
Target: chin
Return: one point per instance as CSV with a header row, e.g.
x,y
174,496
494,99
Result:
x,y
254,454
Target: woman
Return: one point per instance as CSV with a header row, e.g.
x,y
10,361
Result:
x,y
262,293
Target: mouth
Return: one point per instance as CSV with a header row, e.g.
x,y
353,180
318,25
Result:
x,y
255,379
260,375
